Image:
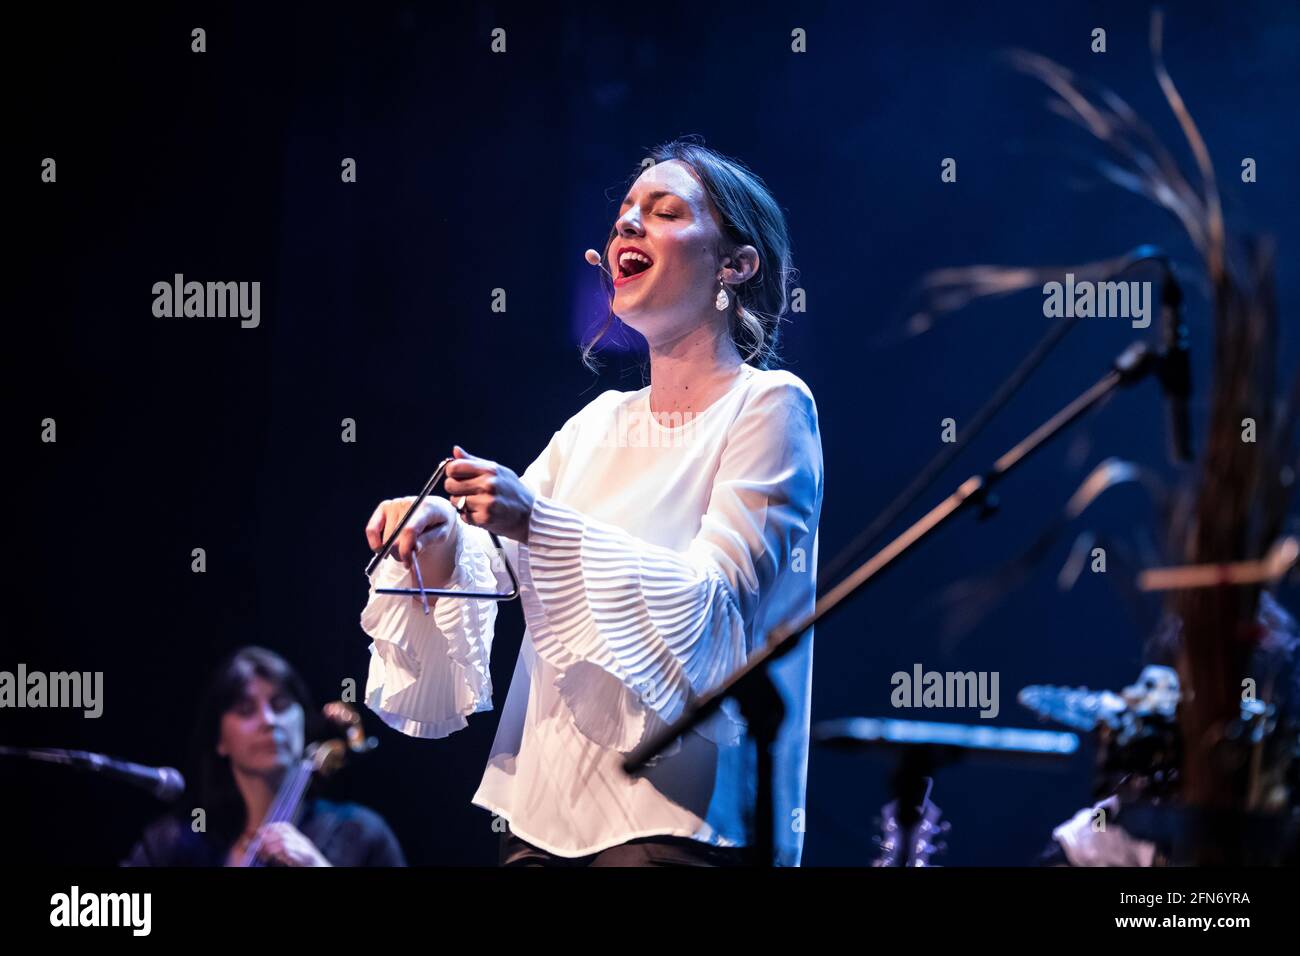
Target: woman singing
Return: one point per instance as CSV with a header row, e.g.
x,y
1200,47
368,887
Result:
x,y
658,539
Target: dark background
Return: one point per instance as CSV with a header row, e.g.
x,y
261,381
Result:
x,y
479,171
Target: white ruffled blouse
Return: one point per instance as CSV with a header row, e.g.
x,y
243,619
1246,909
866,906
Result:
x,y
658,558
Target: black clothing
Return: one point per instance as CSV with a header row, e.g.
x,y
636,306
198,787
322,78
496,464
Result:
x,y
347,834
646,851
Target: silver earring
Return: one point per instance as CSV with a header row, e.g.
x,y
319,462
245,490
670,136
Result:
x,y
723,300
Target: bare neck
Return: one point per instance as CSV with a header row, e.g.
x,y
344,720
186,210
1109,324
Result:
x,y
259,793
692,371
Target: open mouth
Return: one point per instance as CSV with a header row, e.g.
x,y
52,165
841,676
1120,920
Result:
x,y
632,263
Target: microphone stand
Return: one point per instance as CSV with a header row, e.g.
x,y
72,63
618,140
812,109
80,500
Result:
x,y
751,685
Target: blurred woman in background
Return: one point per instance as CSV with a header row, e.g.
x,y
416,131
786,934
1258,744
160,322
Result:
x,y
252,731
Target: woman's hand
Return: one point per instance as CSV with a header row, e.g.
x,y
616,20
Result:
x,y
285,844
495,498
431,533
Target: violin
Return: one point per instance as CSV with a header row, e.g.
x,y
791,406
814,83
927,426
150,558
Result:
x,y
321,758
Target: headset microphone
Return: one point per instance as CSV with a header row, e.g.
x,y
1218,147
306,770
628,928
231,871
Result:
x,y
593,258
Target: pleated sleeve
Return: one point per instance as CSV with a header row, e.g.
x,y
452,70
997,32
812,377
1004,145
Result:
x,y
428,673
669,624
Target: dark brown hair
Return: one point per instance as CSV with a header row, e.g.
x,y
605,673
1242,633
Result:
x,y
750,216
216,790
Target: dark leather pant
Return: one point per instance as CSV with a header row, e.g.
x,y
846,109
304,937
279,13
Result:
x,y
647,851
